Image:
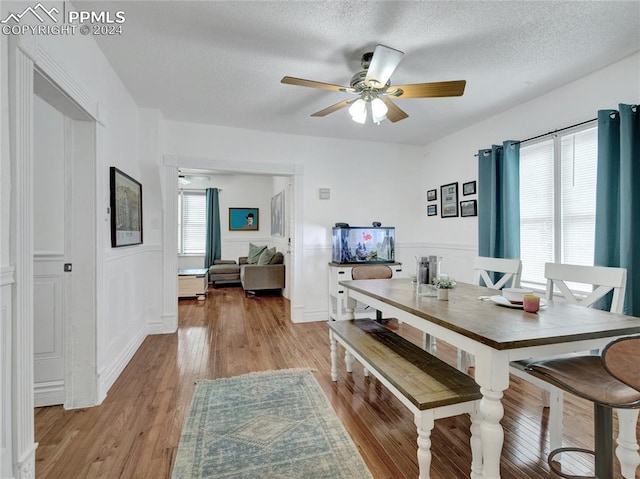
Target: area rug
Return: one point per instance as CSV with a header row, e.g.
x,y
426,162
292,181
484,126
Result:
x,y
276,424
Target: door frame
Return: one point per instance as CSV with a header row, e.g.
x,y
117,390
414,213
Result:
x,y
26,56
295,202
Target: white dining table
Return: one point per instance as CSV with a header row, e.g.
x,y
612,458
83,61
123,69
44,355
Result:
x,y
495,335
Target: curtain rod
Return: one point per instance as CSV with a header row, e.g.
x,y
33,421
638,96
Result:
x,y
553,132
197,189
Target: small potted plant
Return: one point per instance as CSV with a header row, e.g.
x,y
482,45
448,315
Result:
x,y
443,285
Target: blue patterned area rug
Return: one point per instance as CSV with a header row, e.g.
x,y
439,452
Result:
x,y
276,424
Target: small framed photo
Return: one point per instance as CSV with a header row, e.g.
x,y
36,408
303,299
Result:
x,y
449,200
432,210
244,219
469,188
432,195
469,208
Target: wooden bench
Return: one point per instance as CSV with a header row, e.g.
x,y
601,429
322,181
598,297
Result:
x,y
428,386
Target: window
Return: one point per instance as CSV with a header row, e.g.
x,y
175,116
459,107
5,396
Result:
x,y
191,222
558,201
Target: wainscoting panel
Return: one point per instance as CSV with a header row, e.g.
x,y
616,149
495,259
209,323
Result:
x,y
48,329
133,281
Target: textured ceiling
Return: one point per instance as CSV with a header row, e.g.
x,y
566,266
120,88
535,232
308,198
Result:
x,y
221,62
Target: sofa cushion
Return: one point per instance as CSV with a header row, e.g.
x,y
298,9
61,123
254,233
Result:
x,y
278,258
254,253
224,268
266,256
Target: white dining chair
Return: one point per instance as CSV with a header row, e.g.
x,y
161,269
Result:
x,y
602,280
510,270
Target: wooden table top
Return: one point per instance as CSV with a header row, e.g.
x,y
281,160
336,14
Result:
x,y
497,326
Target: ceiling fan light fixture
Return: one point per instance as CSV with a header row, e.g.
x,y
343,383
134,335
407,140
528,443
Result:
x,y
358,111
378,110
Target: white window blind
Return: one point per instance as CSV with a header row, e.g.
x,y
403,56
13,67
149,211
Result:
x,y
557,202
191,222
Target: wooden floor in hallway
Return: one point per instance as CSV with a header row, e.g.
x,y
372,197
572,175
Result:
x,y
135,432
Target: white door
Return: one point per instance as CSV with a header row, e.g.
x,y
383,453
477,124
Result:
x,y
49,253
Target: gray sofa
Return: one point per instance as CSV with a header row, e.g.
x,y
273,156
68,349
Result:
x,y
256,277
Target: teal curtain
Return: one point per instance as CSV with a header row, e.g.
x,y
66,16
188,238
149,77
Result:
x,y
617,237
499,201
212,246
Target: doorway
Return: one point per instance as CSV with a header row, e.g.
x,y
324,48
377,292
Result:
x,y
63,158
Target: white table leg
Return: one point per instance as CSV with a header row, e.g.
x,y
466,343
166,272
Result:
x,y
476,444
627,450
424,421
556,399
491,432
333,345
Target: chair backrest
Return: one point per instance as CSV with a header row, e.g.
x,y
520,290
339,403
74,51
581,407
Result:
x,y
621,358
603,278
374,271
511,269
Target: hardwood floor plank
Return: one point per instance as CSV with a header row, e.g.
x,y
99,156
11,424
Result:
x,y
135,432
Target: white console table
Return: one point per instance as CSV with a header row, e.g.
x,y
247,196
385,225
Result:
x,y
193,283
342,272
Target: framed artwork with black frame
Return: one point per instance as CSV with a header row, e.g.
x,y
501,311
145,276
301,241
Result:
x,y
126,209
469,188
432,195
244,219
432,210
469,208
449,200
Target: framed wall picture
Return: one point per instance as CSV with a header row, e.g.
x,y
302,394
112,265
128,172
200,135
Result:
x,y
244,219
449,200
469,188
126,209
277,214
432,195
469,208
432,210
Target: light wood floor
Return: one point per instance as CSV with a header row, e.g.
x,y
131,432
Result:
x,y
135,432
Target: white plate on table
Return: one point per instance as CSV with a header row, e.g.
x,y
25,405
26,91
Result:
x,y
502,301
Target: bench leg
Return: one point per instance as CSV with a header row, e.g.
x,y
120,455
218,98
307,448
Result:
x,y
333,345
424,422
348,360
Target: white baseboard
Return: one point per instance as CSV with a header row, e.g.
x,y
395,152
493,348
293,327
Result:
x,y
108,375
315,316
48,393
166,325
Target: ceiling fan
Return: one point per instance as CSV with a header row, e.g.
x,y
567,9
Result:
x,y
372,86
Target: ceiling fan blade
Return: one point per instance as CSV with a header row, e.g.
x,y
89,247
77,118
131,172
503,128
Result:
x,y
394,113
333,108
383,64
428,90
315,84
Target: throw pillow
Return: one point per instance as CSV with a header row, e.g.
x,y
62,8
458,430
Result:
x,y
254,253
267,254
278,258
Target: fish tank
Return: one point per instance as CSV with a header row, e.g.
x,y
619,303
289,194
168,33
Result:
x,y
363,244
